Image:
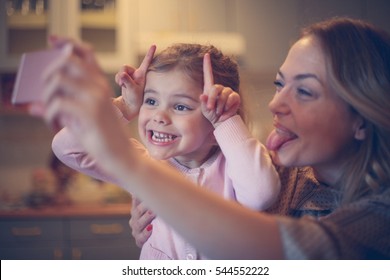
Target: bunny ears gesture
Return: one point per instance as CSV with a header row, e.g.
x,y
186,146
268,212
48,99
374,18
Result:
x,y
219,103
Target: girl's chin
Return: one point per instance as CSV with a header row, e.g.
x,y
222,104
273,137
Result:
x,y
158,155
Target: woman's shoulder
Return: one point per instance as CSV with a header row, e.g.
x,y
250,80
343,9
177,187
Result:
x,y
301,194
290,176
380,198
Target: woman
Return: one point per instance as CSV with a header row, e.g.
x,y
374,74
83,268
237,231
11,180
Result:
x,y
331,141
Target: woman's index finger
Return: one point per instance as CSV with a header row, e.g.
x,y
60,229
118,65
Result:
x,y
207,72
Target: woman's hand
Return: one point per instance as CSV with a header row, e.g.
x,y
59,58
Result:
x,y
140,222
218,102
77,95
132,82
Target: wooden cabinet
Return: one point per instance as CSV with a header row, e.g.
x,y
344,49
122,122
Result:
x,y
106,27
67,234
120,31
101,238
32,239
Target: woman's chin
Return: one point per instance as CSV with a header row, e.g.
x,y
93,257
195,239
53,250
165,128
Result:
x,y
279,158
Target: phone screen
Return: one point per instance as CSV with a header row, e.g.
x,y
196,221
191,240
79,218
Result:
x,y
29,83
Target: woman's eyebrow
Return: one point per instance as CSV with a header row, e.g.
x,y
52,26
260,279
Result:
x,y
305,76
302,76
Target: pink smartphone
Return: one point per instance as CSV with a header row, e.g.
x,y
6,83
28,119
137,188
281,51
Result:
x,y
29,84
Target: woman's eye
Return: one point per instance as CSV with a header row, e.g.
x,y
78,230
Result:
x,y
181,107
278,85
150,101
304,93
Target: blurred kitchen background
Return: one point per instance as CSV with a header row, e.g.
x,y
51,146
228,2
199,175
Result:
x,y
35,187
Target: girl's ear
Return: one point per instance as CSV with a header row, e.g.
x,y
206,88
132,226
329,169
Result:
x,y
360,129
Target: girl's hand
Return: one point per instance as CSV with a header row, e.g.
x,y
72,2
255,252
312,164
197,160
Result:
x,y
140,222
132,82
218,102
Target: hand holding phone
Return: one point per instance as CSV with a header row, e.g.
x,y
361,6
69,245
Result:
x,y
29,84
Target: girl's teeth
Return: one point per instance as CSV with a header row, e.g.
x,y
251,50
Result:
x,y
162,137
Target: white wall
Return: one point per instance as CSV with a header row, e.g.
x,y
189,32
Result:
x,y
268,26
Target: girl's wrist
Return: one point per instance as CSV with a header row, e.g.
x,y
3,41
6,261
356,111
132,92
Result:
x,y
127,111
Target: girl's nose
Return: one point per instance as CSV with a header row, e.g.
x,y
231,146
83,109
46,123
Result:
x,y
161,117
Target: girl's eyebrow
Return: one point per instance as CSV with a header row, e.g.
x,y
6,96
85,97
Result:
x,y
149,90
183,95
177,95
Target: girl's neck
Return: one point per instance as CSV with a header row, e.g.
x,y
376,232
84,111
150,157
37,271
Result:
x,y
195,163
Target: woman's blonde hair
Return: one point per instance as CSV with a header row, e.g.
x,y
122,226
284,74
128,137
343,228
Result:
x,y
189,59
359,65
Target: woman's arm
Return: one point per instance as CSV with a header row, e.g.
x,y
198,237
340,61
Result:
x,y
186,207
77,95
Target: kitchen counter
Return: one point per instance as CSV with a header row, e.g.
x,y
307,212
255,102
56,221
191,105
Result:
x,y
85,210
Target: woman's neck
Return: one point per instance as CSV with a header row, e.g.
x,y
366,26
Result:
x,y
327,176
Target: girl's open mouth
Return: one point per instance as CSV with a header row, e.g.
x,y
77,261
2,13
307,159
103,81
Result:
x,y
160,137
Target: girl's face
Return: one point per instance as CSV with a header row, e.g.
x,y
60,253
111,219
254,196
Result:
x,y
171,123
313,126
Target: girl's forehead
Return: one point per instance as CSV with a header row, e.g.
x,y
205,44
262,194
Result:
x,y
175,74
172,83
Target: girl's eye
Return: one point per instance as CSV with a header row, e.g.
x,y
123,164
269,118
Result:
x,y
150,101
181,107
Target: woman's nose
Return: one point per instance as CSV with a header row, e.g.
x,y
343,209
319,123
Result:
x,y
279,103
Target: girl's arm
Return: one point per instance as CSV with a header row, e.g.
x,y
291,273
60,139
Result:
x,y
71,152
249,165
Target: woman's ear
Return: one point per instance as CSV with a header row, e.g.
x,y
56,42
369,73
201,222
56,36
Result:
x,y
360,129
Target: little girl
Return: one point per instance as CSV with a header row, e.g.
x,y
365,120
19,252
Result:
x,y
190,116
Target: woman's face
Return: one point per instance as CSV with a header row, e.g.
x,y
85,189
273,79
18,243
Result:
x,y
171,122
313,126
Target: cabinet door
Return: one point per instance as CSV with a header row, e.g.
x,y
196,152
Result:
x,y
32,239
108,26
24,27
26,24
106,238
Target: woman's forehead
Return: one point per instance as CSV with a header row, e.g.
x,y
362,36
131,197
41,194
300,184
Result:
x,y
306,56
